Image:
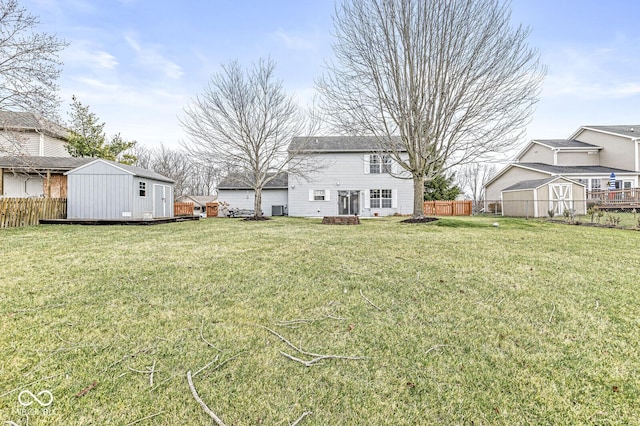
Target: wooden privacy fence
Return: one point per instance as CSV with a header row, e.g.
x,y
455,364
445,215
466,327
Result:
x,y
183,209
447,208
29,211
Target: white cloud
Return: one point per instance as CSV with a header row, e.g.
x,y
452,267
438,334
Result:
x,y
149,56
81,53
296,41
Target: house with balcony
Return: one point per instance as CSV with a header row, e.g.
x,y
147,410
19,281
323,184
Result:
x,y
596,164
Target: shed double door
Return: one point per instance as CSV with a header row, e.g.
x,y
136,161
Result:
x,y
161,200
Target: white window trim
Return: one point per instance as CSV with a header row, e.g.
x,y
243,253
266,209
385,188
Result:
x,y
327,195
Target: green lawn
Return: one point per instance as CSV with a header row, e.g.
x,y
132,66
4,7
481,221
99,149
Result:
x,y
456,322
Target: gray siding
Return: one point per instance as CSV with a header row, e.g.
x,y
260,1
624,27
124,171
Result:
x,y
24,143
346,172
537,154
55,147
569,158
244,198
617,151
511,177
99,196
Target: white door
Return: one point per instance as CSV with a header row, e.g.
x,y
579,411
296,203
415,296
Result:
x,y
560,197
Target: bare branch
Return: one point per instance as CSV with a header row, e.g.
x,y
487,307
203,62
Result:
x,y
305,414
145,418
369,301
201,402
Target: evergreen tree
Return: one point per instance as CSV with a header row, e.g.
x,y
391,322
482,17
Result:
x,y
87,137
441,187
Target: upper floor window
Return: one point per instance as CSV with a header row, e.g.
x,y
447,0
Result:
x,y
142,186
379,163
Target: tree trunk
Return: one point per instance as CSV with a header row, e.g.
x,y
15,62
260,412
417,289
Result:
x,y
257,203
418,197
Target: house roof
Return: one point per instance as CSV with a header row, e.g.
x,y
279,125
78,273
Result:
x,y
536,183
566,143
336,144
135,171
25,121
199,200
571,170
628,130
235,182
32,163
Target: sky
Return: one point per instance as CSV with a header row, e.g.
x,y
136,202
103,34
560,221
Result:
x,y
138,63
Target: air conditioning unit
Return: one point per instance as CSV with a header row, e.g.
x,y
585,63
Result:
x,y
278,211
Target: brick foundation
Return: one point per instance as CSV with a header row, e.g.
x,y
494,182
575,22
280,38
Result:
x,y
341,220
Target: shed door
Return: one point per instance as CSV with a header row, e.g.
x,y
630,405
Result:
x,y
160,201
560,197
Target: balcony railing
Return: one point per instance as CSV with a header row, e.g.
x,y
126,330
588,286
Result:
x,y
615,197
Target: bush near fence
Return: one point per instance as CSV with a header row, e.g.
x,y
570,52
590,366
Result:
x,y
28,211
447,208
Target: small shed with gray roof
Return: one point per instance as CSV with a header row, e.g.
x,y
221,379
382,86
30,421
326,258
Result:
x,y
103,189
536,198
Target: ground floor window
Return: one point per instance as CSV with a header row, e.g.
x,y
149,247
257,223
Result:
x,y
596,184
318,195
380,198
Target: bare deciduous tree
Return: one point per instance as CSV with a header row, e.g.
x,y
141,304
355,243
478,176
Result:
x,y
472,178
451,78
29,63
191,176
243,123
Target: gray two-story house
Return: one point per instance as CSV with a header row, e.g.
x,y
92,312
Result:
x,y
557,174
348,176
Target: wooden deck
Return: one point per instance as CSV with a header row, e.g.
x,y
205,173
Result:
x,y
95,222
615,199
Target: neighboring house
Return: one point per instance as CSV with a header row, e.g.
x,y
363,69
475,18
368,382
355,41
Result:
x,y
28,134
28,176
104,189
199,202
238,195
593,158
348,176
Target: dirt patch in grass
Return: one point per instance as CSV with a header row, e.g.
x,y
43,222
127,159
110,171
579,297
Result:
x,y
420,220
257,218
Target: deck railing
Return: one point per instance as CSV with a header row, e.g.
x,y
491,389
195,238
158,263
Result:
x,y
611,197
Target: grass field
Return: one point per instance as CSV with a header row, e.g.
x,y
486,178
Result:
x,y
453,322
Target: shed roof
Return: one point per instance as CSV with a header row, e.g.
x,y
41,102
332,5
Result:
x,y
237,182
135,171
25,121
337,144
537,183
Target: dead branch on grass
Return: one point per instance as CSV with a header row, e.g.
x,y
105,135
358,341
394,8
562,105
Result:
x,y
125,357
435,347
316,357
150,371
201,402
205,340
370,302
28,384
305,414
552,312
